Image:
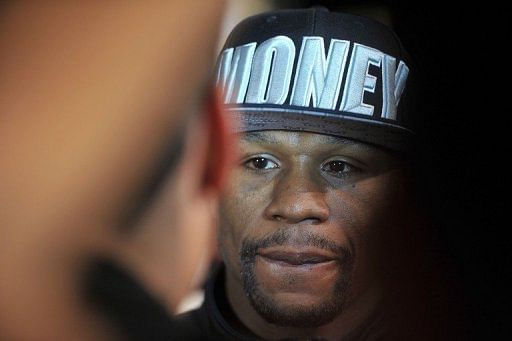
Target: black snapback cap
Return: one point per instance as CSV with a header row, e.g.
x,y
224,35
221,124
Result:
x,y
318,71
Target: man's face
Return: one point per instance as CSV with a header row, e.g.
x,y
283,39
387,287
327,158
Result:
x,y
300,223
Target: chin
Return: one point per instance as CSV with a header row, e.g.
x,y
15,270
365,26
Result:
x,y
283,309
300,299
299,309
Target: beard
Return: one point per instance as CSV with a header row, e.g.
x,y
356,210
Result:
x,y
297,315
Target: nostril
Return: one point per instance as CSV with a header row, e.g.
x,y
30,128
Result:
x,y
295,207
277,217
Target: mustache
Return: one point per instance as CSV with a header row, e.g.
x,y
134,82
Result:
x,y
285,236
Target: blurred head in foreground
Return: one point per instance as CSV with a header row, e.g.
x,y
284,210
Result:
x,y
112,148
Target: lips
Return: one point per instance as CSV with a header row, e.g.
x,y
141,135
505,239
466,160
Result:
x,y
297,257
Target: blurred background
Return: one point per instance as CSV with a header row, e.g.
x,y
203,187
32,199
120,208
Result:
x,y
462,144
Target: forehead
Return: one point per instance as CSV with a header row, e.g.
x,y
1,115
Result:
x,y
303,139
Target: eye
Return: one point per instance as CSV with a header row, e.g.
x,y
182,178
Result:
x,y
260,163
339,168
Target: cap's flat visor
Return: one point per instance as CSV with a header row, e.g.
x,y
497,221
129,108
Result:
x,y
367,130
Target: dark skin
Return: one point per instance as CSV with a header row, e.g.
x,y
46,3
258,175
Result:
x,y
326,200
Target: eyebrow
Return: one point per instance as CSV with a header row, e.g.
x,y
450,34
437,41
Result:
x,y
344,142
259,137
340,141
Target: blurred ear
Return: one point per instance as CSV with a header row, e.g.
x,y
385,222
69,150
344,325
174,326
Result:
x,y
175,237
220,153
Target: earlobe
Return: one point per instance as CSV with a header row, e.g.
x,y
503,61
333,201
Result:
x,y
220,144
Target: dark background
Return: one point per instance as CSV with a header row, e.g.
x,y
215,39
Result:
x,y
460,51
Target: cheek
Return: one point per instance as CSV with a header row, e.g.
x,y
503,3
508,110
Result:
x,y
228,235
241,212
364,210
366,205
378,199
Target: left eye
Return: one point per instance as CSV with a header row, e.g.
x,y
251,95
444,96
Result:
x,y
338,168
260,163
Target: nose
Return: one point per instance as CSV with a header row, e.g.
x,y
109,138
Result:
x,y
297,197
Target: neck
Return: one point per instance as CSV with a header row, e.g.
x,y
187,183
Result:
x,y
357,313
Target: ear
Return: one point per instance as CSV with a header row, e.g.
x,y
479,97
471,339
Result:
x,y
175,241
221,151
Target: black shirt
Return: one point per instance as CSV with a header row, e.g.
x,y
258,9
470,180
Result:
x,y
211,319
135,313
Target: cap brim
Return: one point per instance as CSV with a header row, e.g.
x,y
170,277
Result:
x,y
369,131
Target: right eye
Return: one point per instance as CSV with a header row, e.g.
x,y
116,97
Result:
x,y
260,163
